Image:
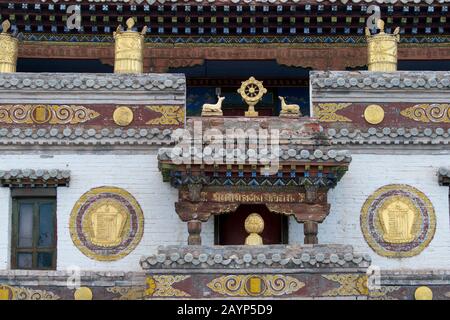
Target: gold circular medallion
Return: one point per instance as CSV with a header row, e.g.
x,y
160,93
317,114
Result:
x,y
423,293
398,221
106,223
123,116
83,293
374,114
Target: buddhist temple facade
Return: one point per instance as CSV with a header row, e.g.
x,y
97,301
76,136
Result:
x,y
224,149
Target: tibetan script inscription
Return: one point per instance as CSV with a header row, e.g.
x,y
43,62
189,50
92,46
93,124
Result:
x,y
247,196
257,197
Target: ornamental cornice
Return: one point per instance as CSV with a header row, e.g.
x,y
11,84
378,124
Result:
x,y
405,80
93,82
285,153
389,136
80,136
241,257
34,178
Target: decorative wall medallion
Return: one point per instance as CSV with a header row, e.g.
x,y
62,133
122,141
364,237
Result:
x,y
255,285
161,286
170,115
398,221
374,114
326,112
350,285
106,223
123,116
20,293
45,114
428,113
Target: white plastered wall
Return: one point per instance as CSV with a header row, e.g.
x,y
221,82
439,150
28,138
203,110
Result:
x,y
136,173
367,173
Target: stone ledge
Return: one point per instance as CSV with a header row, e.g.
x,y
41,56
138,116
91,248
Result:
x,y
389,136
415,277
255,257
60,278
85,136
34,178
102,83
405,80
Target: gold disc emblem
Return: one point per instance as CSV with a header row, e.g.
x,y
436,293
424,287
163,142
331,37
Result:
x,y
83,293
123,116
374,114
40,114
423,293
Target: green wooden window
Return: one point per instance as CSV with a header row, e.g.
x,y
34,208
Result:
x,y
34,233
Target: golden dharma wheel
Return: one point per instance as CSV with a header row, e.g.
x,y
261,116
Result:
x,y
252,91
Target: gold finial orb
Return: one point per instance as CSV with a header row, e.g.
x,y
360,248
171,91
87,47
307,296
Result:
x,y
130,23
380,25
5,26
254,225
123,116
374,114
83,293
423,293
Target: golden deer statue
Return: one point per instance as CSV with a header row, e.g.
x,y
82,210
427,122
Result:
x,y
289,109
213,109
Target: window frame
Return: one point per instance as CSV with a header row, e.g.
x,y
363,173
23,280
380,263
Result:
x,y
34,249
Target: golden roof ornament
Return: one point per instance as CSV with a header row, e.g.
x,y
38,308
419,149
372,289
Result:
x,y
9,48
252,92
382,49
129,49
